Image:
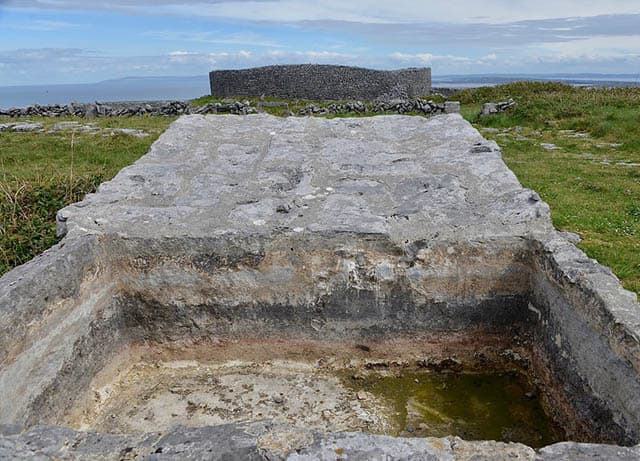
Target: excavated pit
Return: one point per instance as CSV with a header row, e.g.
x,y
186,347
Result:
x,y
400,388
386,276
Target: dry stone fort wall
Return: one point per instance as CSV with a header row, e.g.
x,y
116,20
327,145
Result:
x,y
321,82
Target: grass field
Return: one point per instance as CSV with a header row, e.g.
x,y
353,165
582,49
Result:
x,y
589,171
591,178
42,172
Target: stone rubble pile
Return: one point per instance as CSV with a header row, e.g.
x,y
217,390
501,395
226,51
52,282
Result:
x,y
226,107
171,108
490,108
401,106
176,108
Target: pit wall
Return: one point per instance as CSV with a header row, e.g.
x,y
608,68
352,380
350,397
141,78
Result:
x,y
66,314
50,343
321,82
334,287
587,329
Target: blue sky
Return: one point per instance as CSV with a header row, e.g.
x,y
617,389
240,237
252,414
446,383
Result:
x,y
75,41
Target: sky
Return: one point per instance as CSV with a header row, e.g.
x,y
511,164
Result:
x,y
80,41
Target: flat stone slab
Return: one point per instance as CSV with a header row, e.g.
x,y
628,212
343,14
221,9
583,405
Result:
x,y
408,178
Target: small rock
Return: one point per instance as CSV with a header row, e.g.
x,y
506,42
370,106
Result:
x,y
479,149
448,364
284,209
24,127
131,132
491,108
65,126
92,111
452,107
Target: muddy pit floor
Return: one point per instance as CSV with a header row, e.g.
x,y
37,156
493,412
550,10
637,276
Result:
x,y
323,388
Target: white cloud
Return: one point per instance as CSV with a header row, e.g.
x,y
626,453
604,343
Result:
x,y
43,25
428,59
214,37
371,11
611,45
310,55
182,53
55,65
445,63
399,11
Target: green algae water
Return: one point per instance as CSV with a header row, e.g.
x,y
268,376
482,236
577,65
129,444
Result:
x,y
495,406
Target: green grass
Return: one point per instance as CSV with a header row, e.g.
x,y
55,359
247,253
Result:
x,y
588,182
42,172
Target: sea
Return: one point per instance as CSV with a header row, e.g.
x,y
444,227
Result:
x,y
124,89
183,88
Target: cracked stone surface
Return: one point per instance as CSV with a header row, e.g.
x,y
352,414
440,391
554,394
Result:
x,y
406,177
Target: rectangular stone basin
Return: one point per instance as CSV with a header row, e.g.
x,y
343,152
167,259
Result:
x,y
308,271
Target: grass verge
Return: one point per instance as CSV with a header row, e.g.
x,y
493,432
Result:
x,y
579,148
43,172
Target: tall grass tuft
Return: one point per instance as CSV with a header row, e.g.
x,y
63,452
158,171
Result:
x,y
27,214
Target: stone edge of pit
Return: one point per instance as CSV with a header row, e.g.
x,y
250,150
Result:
x,y
268,441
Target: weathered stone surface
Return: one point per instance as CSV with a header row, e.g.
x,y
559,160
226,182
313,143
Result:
x,y
363,230
363,447
408,178
569,451
23,127
262,441
490,451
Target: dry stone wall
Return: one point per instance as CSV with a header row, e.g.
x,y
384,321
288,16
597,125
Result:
x,y
321,82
